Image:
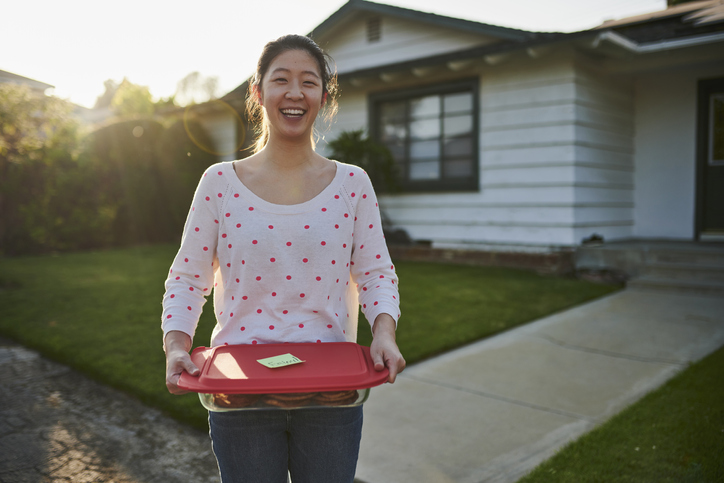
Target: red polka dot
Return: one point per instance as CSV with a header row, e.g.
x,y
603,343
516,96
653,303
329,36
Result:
x,y
254,242
333,262
351,174
206,249
344,245
238,225
364,197
178,278
371,225
223,235
243,329
353,195
244,297
191,289
186,260
258,278
271,327
329,326
251,208
301,326
336,226
237,280
323,243
375,303
378,257
319,278
197,276
229,245
301,295
306,227
228,215
346,215
197,228
228,265
361,247
172,295
189,307
274,294
236,195
220,173
271,227
231,314
168,316
305,260
216,221
285,311
324,209
289,244
253,342
208,199
382,276
289,277
272,259
258,311
243,262
220,195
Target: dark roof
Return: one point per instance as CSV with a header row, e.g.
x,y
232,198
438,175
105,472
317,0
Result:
x,y
364,6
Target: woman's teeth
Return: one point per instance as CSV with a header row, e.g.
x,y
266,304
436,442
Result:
x,y
293,112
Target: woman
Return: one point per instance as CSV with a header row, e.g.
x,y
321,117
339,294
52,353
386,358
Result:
x,y
292,245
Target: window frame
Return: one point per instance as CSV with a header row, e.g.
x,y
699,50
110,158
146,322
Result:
x,y
469,183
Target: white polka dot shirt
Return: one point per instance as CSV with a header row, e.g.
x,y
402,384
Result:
x,y
281,273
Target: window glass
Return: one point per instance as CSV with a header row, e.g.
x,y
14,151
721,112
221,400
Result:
x,y
425,107
424,129
425,149
457,147
391,132
425,170
393,111
459,168
462,102
458,125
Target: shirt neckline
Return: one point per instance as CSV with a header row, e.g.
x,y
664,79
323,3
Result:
x,y
306,206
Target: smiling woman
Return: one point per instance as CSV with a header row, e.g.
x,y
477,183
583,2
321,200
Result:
x,y
292,245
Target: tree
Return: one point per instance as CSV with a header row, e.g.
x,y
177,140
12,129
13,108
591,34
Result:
x,y
132,100
41,197
195,88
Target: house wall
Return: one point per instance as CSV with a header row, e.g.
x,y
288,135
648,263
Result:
x,y
665,147
529,155
604,161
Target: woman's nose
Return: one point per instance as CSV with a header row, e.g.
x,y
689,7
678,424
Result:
x,y
295,91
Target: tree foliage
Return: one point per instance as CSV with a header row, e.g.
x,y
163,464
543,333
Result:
x,y
127,183
353,148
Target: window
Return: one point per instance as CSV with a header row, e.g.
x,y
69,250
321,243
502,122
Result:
x,y
432,134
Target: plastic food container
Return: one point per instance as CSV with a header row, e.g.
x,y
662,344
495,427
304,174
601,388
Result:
x,y
304,375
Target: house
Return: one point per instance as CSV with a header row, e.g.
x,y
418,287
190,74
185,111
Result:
x,y
532,143
36,87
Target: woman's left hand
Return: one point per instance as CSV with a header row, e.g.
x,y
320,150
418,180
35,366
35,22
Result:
x,y
383,349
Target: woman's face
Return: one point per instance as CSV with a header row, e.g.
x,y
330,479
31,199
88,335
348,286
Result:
x,y
291,94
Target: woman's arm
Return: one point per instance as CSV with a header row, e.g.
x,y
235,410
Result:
x,y
383,349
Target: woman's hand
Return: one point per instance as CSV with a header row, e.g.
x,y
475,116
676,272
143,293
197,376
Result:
x,y
383,349
177,345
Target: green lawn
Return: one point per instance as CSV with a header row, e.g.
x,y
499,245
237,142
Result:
x,y
673,435
100,313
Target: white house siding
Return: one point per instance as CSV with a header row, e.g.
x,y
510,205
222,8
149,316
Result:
x,y
401,40
604,180
221,127
665,146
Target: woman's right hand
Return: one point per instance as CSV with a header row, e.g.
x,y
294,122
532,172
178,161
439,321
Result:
x,y
177,345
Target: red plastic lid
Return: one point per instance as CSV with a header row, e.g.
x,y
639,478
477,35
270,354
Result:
x,y
331,366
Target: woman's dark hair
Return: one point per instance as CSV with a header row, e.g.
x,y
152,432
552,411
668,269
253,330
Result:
x,y
271,50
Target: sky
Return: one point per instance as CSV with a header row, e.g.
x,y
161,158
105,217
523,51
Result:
x,y
76,45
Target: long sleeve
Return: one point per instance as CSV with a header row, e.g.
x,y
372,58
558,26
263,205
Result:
x,y
191,277
371,266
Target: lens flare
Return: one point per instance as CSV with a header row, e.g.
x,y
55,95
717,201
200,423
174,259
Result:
x,y
217,105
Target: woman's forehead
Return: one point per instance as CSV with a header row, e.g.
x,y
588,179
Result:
x,y
295,61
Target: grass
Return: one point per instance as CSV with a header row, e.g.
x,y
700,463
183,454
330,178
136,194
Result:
x,y
99,312
674,434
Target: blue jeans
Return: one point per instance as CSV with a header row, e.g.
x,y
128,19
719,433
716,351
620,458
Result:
x,y
315,445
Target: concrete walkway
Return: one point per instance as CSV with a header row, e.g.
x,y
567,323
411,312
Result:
x,y
492,411
489,412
